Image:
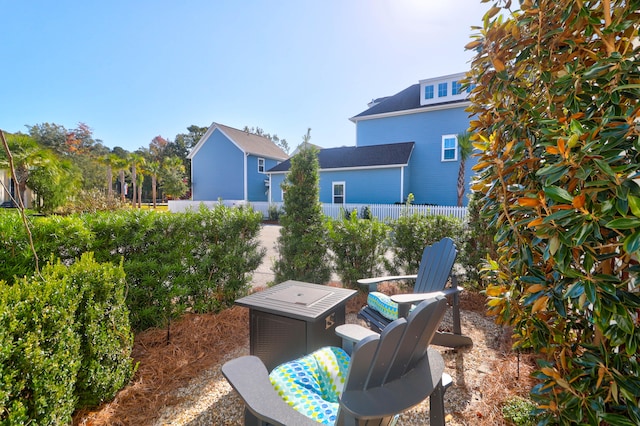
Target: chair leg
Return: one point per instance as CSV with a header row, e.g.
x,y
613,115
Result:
x,y
251,420
457,328
436,406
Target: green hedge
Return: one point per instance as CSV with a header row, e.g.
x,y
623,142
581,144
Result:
x,y
65,341
39,351
200,261
410,234
102,322
358,247
66,238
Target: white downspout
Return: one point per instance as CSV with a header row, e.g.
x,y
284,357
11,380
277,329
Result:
x,y
401,184
246,174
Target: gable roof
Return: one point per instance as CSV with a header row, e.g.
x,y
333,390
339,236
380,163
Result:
x,y
392,154
405,100
249,143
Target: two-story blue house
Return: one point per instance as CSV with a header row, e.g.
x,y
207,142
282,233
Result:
x,y
405,143
231,164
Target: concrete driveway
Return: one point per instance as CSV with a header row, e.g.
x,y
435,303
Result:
x,y
268,236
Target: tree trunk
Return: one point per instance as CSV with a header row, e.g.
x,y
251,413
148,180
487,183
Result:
x,y
109,182
134,185
122,185
461,183
153,189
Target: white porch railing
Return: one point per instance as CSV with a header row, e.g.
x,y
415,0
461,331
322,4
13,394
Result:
x,y
380,211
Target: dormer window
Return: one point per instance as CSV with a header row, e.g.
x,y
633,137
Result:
x,y
456,87
442,90
428,91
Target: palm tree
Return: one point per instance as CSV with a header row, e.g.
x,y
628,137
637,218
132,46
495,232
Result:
x,y
465,148
153,169
136,160
140,180
26,155
110,160
121,165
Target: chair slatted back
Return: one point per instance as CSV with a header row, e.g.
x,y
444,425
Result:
x,y
435,266
377,360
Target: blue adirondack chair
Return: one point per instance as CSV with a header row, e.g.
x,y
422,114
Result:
x,y
434,273
385,375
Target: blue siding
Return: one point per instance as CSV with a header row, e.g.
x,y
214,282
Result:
x,y
276,191
218,170
375,186
429,179
256,188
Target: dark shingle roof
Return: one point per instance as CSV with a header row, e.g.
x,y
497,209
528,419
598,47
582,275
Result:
x,y
407,99
363,156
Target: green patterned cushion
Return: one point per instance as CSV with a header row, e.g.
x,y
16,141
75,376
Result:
x,y
313,384
382,303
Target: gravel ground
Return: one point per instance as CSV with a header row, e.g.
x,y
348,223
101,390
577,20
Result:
x,y
210,400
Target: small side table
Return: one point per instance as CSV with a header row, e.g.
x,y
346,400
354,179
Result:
x,y
294,318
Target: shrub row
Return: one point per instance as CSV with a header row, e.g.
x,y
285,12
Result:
x,y
199,261
65,341
359,246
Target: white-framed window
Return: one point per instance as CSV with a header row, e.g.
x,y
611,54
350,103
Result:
x,y
449,148
456,87
442,89
428,91
260,165
338,192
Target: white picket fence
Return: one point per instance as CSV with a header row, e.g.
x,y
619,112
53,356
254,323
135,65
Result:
x,y
380,211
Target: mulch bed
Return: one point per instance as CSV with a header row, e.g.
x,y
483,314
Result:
x,y
198,342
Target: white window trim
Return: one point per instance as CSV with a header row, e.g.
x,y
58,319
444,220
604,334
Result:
x,y
455,155
264,165
333,191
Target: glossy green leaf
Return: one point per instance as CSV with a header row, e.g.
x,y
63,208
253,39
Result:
x,y
634,204
624,223
632,242
558,194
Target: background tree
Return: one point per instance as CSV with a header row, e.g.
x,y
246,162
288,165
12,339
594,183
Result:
x,y
182,146
110,161
54,184
173,180
153,169
302,244
556,121
136,160
465,149
121,164
77,145
27,155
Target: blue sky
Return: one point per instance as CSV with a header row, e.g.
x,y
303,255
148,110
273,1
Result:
x,y
135,69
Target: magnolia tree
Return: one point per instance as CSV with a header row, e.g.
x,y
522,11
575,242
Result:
x,y
556,122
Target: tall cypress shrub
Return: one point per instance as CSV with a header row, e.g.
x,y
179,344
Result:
x,y
302,244
556,121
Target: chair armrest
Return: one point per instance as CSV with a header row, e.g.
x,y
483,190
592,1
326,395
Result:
x,y
418,297
250,378
399,395
372,283
351,334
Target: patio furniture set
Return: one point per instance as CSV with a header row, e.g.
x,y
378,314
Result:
x,y
307,367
